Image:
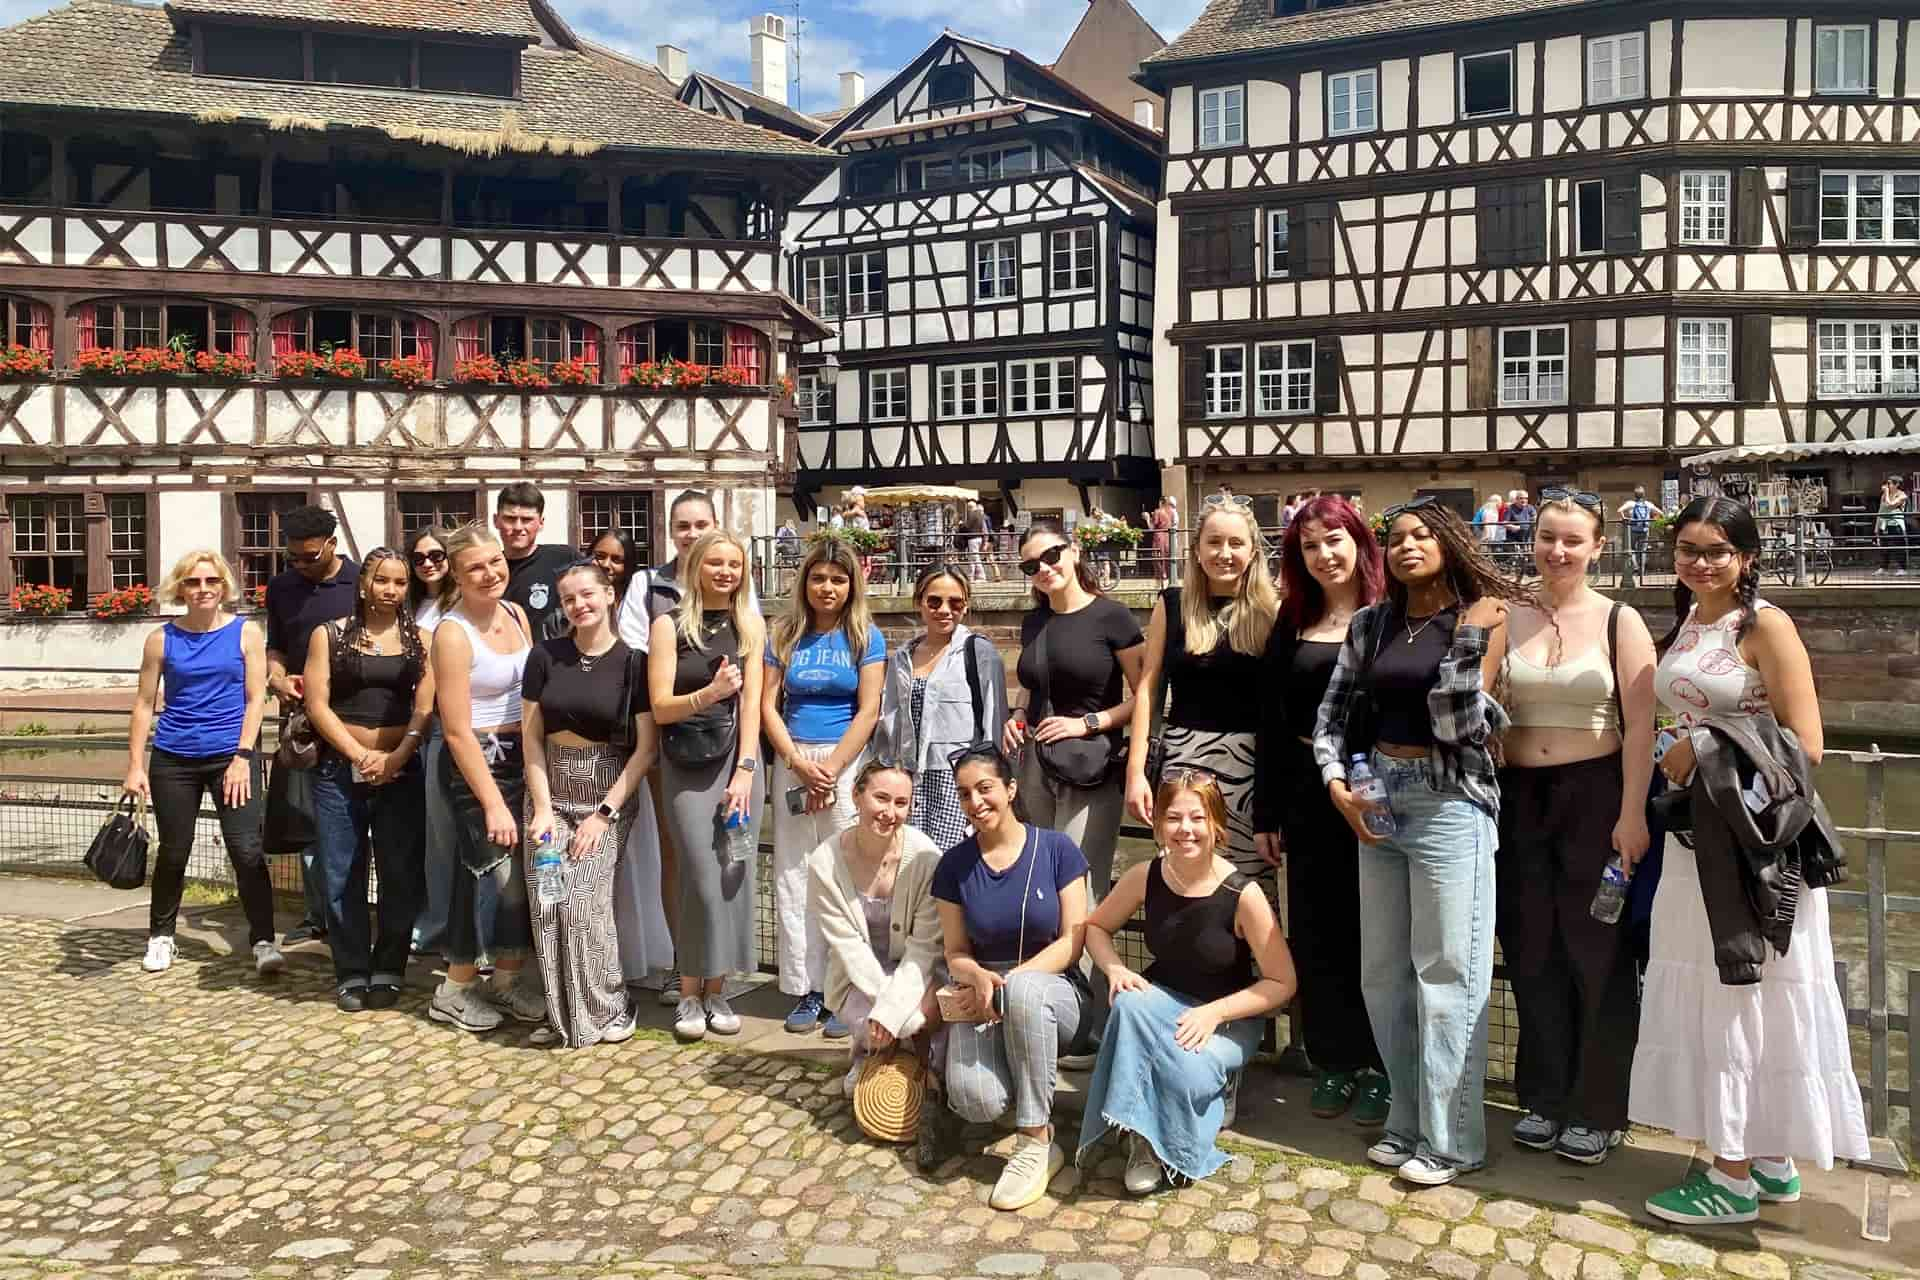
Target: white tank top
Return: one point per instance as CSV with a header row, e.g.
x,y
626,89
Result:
x,y
493,681
1704,675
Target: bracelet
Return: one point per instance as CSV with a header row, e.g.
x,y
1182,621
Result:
x,y
413,733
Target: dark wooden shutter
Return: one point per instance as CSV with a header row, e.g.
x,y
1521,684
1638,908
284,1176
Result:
x,y
1803,205
1492,225
1240,247
1527,216
1580,362
1195,230
1319,238
1297,261
1193,382
1480,367
1750,207
1623,213
1326,376
1753,378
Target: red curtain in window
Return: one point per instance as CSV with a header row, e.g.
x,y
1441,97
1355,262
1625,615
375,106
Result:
x,y
590,344
39,326
633,347
743,351
421,333
470,338
88,317
242,325
288,333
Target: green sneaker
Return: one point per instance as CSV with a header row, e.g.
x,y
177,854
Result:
x,y
1702,1202
1334,1094
1372,1100
1777,1190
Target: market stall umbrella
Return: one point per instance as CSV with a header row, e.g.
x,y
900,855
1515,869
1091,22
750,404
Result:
x,y
898,495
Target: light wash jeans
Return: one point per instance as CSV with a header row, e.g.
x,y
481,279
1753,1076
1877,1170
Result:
x,y
1426,960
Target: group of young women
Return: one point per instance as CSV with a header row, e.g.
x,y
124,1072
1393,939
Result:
x,y
944,845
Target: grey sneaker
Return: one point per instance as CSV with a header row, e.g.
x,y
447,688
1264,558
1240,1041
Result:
x,y
1586,1146
1536,1131
520,997
267,960
670,990
721,1019
463,1007
690,1022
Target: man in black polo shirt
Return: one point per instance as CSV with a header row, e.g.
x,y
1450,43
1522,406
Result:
x,y
319,586
518,517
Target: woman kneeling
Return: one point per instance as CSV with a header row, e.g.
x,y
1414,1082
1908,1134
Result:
x,y
1177,1035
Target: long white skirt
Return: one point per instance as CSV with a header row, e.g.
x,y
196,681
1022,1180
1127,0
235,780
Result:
x,y
639,917
1758,1070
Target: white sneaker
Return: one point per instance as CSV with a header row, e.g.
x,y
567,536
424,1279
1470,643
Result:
x,y
463,1007
849,1080
621,1029
267,960
670,990
160,949
690,1020
1029,1169
519,997
1231,1111
1144,1174
721,1019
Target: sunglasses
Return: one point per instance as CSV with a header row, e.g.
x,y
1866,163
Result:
x,y
1220,501
979,751
955,603
436,556
1192,778
312,557
1050,558
1579,497
1401,508
195,584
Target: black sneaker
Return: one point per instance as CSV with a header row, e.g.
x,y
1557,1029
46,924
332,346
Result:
x,y
382,995
935,1140
305,931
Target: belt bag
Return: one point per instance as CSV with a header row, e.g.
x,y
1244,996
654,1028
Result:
x,y
690,744
1087,763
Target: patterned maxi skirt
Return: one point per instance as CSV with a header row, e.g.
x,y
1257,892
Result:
x,y
1229,758
575,939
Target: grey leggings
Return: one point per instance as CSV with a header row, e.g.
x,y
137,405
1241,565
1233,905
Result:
x,y
1013,1065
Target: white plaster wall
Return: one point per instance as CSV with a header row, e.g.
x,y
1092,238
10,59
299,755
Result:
x,y
1742,57
1180,120
1437,94
365,517
1392,95
1269,111
1166,360
1313,106
1566,76
69,653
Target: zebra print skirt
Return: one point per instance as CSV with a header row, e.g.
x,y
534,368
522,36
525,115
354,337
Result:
x,y
575,940
1229,758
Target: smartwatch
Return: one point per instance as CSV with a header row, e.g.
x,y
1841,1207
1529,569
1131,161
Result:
x,y
1093,721
244,753
606,811
748,765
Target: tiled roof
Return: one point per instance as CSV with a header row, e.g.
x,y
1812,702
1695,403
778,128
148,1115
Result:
x,y
1248,26
763,104
464,17
109,55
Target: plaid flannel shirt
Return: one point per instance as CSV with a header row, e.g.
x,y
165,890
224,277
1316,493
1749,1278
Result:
x,y
1466,719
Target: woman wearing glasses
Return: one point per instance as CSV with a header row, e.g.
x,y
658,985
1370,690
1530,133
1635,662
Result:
x,y
1330,564
1422,662
1573,792
1179,1034
1205,644
944,690
1762,1072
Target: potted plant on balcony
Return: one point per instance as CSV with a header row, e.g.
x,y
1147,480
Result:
x,y
574,372
43,601
221,364
1106,535
100,360
729,375
127,602
409,371
258,597
17,361
151,361
528,375
295,364
650,376
485,368
343,363
685,375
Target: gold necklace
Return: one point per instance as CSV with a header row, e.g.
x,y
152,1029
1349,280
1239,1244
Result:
x,y
1179,882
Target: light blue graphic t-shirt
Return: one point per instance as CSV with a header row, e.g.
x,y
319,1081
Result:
x,y
823,683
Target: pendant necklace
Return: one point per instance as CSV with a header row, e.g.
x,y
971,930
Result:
x,y
1413,632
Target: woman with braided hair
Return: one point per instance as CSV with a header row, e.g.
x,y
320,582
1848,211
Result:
x,y
1421,667
1761,1072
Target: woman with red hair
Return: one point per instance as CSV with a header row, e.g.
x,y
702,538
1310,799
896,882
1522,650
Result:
x,y
1329,569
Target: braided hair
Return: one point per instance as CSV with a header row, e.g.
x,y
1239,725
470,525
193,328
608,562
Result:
x,y
1734,520
1468,570
411,647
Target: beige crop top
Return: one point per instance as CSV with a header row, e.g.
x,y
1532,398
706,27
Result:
x,y
1576,694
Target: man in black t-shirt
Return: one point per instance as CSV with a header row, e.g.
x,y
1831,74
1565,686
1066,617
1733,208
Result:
x,y
518,517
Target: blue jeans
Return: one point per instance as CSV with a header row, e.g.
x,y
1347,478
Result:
x,y
1426,960
429,931
353,825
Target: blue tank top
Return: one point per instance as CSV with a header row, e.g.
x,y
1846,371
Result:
x,y
203,678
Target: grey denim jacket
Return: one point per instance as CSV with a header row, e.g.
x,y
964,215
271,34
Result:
x,y
949,707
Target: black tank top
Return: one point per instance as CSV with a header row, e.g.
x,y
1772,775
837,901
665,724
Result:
x,y
1405,670
1212,692
1196,952
693,668
370,690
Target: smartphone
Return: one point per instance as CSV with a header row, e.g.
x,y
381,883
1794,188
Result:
x,y
796,800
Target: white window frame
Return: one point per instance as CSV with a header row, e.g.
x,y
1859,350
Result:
x,y
1461,77
968,391
1041,386
1579,249
1224,390
1279,231
1840,31
1359,85
862,298
1003,253
1868,359
1703,358
887,389
821,286
1540,378
1283,378
1228,107
1706,203
1076,245
1627,48
1895,186
813,394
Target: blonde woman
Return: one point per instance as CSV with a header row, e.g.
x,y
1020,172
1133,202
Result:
x,y
825,662
704,675
1206,646
214,668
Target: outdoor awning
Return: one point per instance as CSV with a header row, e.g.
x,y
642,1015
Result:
x,y
894,495
1793,452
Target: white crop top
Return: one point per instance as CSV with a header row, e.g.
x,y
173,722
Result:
x,y
493,681
1704,675
1577,694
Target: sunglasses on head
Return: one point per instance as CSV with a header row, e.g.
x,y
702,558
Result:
x,y
435,556
1192,778
1579,497
1399,509
1050,558
979,751
1219,501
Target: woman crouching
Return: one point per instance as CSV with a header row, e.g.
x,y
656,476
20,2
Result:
x,y
1180,1033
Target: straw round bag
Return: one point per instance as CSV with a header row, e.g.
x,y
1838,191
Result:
x,y
888,1096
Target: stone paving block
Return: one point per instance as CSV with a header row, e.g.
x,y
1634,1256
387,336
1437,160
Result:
x,y
1084,1271
842,1257
1455,1204
1601,1266
1755,1265
1445,1262
1474,1239
1680,1251
1598,1235
1359,1215
1011,1264
1509,1215
1561,1261
1325,1262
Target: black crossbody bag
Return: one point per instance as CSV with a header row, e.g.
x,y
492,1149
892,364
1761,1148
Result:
x,y
1088,763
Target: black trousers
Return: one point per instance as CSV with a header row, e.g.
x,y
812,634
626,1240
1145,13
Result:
x,y
1323,919
177,783
478,856
1572,977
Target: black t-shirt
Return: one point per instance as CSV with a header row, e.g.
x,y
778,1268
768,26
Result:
x,y
1308,676
530,584
1405,671
584,697
1211,692
295,607
1085,675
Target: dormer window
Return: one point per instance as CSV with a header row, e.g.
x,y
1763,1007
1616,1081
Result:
x,y
323,57
949,86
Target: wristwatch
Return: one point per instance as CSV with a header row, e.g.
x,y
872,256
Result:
x,y
1093,721
748,765
606,811
245,753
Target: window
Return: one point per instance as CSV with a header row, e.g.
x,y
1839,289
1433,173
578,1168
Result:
x,y
442,508
1706,360
382,337
1705,202
949,86
886,395
1840,61
259,53
1486,83
379,336
1616,68
709,343
628,510
1869,358
1533,365
50,543
1001,162
197,326
871,178
1590,216
814,393
996,270
258,546
926,174
866,283
26,324
266,53
466,68
342,59
1352,98
1283,377
1276,244
820,287
1222,119
1072,258
1040,386
1226,385
127,540
969,391
1870,208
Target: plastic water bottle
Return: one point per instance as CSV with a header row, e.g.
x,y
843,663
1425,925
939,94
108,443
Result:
x,y
549,873
1611,897
739,845
1372,791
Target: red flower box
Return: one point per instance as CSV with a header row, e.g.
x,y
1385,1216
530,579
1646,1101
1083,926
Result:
x,y
528,374
19,361
127,602
574,373
479,369
409,371
222,364
41,601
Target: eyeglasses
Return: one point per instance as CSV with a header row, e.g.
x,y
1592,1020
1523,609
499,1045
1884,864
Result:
x,y
435,556
1191,778
1050,558
312,557
1399,509
955,603
1580,497
1713,557
979,751
1218,501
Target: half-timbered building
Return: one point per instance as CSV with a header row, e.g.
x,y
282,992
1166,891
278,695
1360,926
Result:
x,y
1453,244
984,256
387,257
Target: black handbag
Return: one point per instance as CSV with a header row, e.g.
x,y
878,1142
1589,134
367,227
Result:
x,y
1089,762
692,745
118,854
299,742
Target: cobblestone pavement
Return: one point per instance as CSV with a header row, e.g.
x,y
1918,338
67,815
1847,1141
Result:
x,y
203,1122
